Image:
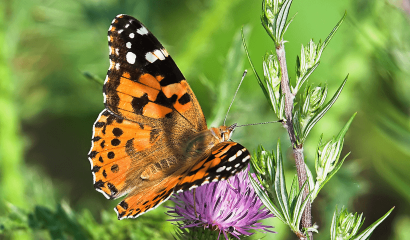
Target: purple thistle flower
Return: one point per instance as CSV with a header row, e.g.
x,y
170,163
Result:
x,y
230,206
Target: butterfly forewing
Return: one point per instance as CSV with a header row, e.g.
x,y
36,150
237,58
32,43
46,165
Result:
x,y
143,80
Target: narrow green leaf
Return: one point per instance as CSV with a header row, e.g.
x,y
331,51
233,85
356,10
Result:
x,y
282,108
302,208
357,224
281,20
334,225
368,231
280,186
298,205
270,164
332,33
305,77
293,193
266,201
329,176
254,165
254,70
323,111
297,126
287,24
342,132
311,182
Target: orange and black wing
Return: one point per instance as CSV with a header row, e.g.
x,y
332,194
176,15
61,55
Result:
x,y
114,142
226,159
143,80
146,98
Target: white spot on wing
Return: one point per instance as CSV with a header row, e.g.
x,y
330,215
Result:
x,y
237,165
195,186
205,182
159,54
164,51
220,169
117,66
126,26
180,190
150,57
132,35
120,31
128,45
131,57
245,159
117,51
228,168
142,31
231,158
239,153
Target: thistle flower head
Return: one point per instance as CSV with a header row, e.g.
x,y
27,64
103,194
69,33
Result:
x,y
232,207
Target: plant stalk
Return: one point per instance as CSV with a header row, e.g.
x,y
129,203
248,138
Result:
x,y
288,124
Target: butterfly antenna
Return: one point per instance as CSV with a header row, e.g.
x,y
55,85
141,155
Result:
x,y
243,76
251,124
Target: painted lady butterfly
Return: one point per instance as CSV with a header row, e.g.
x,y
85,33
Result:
x,y
152,138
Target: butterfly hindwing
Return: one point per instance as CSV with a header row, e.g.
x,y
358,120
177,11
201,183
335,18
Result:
x,y
113,140
226,159
143,80
140,201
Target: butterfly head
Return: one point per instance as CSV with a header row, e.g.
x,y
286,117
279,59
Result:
x,y
224,133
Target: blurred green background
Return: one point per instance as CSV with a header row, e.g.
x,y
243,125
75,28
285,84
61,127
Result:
x,y
48,105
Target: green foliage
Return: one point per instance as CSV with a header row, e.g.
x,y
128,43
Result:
x,y
345,225
271,85
327,160
274,18
59,223
63,223
286,206
310,108
310,57
313,111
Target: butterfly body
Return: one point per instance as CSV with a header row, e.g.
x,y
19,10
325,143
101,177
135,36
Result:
x,y
152,138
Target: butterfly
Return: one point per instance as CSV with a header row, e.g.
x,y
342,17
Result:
x,y
152,140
